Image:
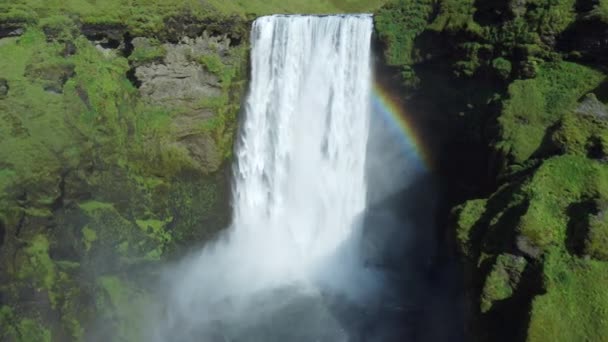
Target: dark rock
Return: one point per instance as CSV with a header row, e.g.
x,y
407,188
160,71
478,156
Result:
x,y
490,11
11,29
69,49
586,5
591,106
528,69
177,27
109,36
3,87
587,39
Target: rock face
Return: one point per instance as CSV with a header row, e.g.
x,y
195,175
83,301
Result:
x,y
180,80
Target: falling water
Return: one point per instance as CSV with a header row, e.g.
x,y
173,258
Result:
x,y
299,187
300,178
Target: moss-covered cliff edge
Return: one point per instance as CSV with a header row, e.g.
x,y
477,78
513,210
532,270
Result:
x,y
518,89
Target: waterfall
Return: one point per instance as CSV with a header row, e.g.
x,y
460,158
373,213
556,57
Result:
x,y
299,185
300,175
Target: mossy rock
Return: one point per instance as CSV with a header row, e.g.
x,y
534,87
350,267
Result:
x,y
17,329
538,104
596,242
502,281
468,217
575,305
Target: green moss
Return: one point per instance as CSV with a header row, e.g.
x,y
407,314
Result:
x,y
121,304
597,238
551,17
88,237
152,51
502,280
583,132
575,307
537,104
213,63
91,207
59,27
468,215
398,23
156,229
502,67
455,15
19,329
559,182
17,12
38,266
135,241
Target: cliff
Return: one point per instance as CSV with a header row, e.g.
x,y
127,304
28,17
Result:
x,y
519,91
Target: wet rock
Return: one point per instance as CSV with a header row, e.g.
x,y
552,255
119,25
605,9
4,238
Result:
x,y
591,106
3,87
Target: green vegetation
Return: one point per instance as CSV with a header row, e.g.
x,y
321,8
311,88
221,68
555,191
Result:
x,y
121,304
536,247
537,104
153,51
575,307
468,215
597,237
398,24
502,280
23,330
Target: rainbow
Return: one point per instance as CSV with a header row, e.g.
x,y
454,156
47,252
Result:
x,y
384,104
